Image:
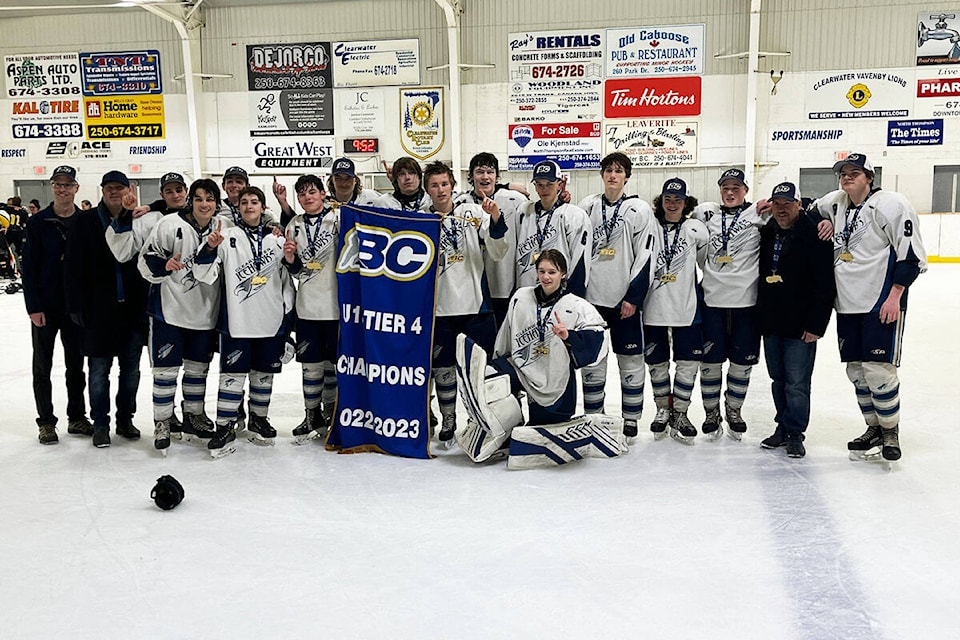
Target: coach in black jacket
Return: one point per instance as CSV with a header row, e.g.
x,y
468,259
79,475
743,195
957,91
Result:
x,y
794,303
108,299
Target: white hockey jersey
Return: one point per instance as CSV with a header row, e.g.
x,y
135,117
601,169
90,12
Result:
x,y
389,201
502,273
315,267
366,198
620,249
177,297
677,252
731,268
869,242
463,234
541,358
566,228
230,215
259,291
126,243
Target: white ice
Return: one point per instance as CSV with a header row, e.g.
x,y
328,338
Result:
x,y
720,540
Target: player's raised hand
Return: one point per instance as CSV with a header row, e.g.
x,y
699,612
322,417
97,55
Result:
x,y
559,329
216,237
490,206
174,264
279,190
289,248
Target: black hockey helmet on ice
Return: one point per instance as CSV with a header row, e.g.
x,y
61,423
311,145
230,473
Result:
x,y
14,287
167,493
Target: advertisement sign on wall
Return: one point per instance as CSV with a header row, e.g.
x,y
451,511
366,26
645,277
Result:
x,y
573,145
663,142
290,87
45,95
121,73
652,97
655,51
376,63
124,117
938,38
292,153
421,121
857,94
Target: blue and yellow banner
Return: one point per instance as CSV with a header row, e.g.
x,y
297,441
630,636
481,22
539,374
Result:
x,y
386,280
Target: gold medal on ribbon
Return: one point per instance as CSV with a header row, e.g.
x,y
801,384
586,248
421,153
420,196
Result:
x,y
455,257
259,280
608,251
774,279
724,259
535,257
668,277
542,350
846,256
314,266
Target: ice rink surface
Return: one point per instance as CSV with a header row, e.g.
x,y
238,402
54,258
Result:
x,y
721,540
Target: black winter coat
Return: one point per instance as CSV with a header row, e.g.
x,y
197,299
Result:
x,y
803,299
42,261
109,297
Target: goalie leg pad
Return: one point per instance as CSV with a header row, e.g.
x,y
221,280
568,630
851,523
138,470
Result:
x,y
590,436
493,412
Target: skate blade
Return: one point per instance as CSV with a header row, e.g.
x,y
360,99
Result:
x,y
162,452
447,444
659,435
869,455
682,439
734,435
259,440
223,451
305,439
176,435
713,436
631,440
196,441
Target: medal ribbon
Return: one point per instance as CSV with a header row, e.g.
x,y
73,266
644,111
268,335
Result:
x,y
670,249
849,222
541,233
724,232
608,228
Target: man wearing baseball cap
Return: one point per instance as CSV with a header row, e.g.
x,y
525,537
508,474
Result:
x,y
550,223
127,235
794,302
108,299
344,185
42,270
872,226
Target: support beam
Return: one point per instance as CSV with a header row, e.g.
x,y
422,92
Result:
x,y
451,11
750,123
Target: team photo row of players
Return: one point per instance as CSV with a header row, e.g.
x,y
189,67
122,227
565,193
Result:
x,y
542,285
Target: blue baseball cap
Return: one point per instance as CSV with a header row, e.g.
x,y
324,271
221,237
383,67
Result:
x,y
732,174
786,191
546,170
173,176
115,176
64,170
674,187
858,160
344,167
236,171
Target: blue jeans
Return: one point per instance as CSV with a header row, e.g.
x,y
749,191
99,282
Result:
x,y
790,365
128,382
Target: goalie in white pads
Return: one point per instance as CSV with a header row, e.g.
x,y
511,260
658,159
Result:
x,y
495,418
546,335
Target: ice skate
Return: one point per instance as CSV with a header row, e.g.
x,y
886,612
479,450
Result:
x,y
447,430
891,443
868,445
630,431
223,443
713,424
736,427
161,435
313,427
661,423
260,432
197,429
682,430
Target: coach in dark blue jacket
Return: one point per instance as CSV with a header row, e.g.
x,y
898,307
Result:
x,y
43,292
794,303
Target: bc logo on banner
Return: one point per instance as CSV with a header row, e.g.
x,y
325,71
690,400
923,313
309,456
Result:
x,y
386,282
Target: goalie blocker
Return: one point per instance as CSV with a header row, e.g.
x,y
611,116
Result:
x,y
495,416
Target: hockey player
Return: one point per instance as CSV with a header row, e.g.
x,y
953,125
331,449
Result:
x,y
619,279
235,180
259,295
878,253
313,236
45,297
127,235
183,314
547,334
730,327
344,185
671,311
408,193
501,274
549,223
463,300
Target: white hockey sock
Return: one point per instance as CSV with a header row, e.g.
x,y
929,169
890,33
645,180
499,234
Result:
x,y
738,379
312,384
594,379
711,376
194,385
164,390
631,386
261,388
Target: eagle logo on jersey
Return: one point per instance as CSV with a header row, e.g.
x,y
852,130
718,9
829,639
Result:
x,y
606,237
529,247
678,262
847,239
253,279
453,240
